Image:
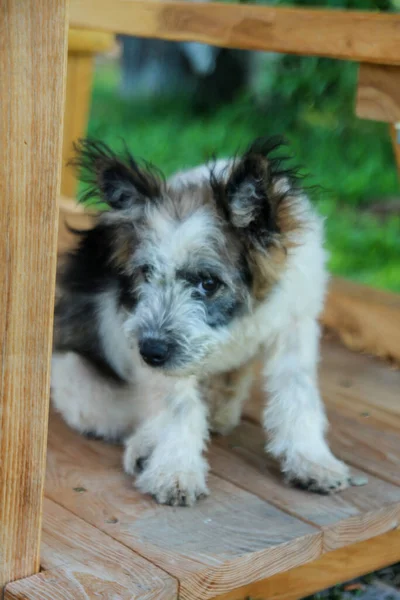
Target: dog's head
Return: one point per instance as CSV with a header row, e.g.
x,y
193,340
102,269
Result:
x,y
193,255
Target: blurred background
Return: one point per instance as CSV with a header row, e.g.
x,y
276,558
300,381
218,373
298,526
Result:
x,y
178,104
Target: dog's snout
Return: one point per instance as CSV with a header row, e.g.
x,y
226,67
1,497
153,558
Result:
x,y
154,352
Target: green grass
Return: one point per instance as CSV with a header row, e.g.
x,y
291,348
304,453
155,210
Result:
x,y
351,160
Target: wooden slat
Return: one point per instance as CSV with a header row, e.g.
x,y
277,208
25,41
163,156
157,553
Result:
x,y
33,50
365,319
378,93
96,563
82,563
227,540
352,516
337,34
359,378
82,583
89,42
331,569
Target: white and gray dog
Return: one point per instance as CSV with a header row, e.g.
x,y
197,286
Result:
x,y
167,300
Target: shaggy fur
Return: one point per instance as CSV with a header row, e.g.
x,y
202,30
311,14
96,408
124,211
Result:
x,y
169,297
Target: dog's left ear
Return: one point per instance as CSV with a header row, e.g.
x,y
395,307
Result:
x,y
253,191
115,179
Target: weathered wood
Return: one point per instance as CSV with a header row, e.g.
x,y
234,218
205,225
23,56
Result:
x,y
368,37
355,515
228,539
364,318
33,50
83,582
82,563
95,562
378,93
330,569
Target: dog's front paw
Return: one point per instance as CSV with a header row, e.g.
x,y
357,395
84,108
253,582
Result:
x,y
325,477
175,485
164,472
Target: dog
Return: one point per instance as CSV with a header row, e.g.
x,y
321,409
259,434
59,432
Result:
x,y
167,300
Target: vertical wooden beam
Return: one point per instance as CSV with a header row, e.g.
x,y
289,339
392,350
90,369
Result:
x,y
77,106
33,50
395,135
378,99
82,47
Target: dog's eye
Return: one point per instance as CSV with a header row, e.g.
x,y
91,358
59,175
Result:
x,y
208,286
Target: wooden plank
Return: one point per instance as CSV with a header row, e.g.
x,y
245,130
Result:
x,y
227,540
96,563
352,516
364,318
348,35
360,377
81,562
378,93
82,583
33,50
330,569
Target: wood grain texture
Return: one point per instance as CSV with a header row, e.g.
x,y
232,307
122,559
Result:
x,y
82,563
378,93
96,563
337,34
366,320
82,583
355,515
228,539
33,50
330,569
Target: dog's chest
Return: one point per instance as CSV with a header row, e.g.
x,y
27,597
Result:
x,y
248,335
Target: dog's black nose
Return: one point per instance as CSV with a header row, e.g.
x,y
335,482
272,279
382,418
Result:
x,y
154,352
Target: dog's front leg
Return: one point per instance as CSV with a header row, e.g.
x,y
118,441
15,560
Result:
x,y
166,453
294,417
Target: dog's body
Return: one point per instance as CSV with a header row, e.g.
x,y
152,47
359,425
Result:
x,y
195,277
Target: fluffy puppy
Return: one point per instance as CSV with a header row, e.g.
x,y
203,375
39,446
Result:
x,y
170,296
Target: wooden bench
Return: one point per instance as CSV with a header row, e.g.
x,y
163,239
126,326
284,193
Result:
x,y
254,536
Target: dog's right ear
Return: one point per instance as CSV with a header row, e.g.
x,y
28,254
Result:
x,y
116,180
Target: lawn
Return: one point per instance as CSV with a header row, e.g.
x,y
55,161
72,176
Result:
x,y
350,162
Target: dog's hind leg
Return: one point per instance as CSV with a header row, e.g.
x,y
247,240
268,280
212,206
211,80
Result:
x,y
88,401
295,418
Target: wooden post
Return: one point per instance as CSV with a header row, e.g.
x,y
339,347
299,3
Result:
x,y
33,51
82,46
395,135
378,98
